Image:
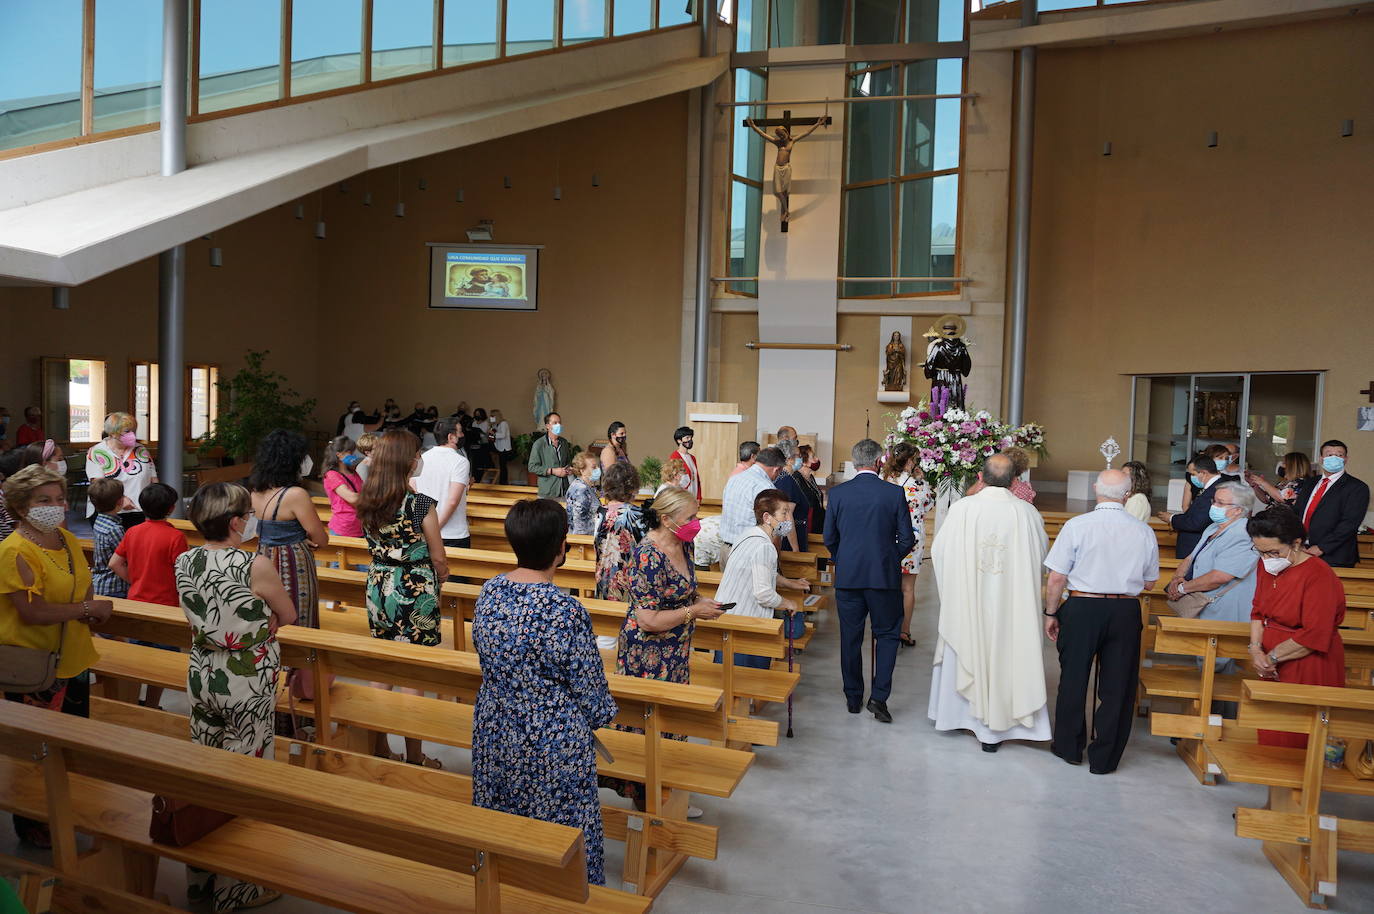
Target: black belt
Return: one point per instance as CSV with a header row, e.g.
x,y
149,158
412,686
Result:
x,y
1104,596
399,563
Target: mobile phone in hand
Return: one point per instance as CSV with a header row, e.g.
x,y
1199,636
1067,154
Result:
x,y
726,607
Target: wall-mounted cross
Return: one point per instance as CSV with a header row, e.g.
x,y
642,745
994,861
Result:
x,y
1369,391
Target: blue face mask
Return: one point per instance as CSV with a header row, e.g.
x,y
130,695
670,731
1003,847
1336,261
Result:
x,y
1192,477
352,460
1333,464
596,474
1218,514
557,428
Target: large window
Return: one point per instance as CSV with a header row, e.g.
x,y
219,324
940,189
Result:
x,y
1266,415
128,63
901,181
402,37
40,71
199,411
71,69
763,24
746,185
73,398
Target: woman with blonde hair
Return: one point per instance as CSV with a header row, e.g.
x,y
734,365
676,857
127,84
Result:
x,y
1138,503
583,501
119,455
903,469
674,473
46,603
656,636
501,443
1296,468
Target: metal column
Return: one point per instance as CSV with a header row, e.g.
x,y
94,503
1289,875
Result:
x,y
1021,203
171,348
701,344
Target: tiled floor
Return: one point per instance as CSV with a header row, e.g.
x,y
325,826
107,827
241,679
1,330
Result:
x,y
855,816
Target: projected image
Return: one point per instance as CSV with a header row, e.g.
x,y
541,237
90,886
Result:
x,y
485,275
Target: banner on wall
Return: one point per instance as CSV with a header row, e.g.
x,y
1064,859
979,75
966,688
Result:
x,y
484,276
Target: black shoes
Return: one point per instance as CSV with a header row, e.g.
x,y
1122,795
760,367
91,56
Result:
x,y
1069,760
854,705
879,709
991,747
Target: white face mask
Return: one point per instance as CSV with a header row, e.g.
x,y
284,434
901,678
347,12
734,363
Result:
x,y
783,528
250,528
307,465
59,466
1276,564
46,518
416,469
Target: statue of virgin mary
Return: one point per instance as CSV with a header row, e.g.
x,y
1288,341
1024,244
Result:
x,y
544,397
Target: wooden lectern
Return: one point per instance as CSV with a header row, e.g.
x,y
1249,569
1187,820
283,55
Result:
x,y
716,444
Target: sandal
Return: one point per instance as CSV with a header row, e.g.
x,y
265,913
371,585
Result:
x,y
427,762
907,640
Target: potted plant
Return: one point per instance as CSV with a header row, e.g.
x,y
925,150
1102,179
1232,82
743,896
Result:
x,y
650,474
255,401
520,455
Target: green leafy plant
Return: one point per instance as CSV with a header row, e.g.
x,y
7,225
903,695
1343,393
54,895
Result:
x,y
520,448
651,472
255,401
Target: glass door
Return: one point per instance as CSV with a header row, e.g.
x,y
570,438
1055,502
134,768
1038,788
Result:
x,y
1160,436
1282,417
1218,405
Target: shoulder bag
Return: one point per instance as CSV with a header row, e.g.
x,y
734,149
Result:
x,y
1192,605
26,670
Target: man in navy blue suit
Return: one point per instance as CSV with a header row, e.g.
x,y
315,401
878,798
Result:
x,y
868,530
1202,472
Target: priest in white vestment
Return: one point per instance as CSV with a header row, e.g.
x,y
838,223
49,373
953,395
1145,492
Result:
x,y
989,674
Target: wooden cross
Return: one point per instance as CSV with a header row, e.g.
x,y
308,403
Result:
x,y
1369,391
787,121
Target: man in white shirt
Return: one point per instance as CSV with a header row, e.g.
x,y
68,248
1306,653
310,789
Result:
x,y
684,438
737,502
1105,558
444,476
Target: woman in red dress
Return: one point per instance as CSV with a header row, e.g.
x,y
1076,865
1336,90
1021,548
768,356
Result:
x,y
1299,603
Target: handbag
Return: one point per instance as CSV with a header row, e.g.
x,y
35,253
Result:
x,y
26,670
179,822
1361,764
1192,605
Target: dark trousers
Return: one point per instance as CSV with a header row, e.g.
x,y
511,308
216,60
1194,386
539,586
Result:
x,y
1105,630
883,609
753,661
502,458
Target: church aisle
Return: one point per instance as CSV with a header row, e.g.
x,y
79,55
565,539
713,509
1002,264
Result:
x,y
859,817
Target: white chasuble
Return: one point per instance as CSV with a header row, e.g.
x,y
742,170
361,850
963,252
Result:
x,y
987,558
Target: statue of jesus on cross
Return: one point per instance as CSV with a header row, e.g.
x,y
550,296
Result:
x,y
783,138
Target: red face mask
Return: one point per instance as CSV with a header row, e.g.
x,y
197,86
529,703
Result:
x,y
814,465
688,531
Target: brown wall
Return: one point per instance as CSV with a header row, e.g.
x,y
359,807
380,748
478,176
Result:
x,y
610,279
263,297
1169,256
346,317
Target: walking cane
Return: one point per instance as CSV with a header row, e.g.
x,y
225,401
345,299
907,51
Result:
x,y
789,669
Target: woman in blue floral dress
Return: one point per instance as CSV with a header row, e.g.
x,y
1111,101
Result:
x,y
543,690
408,559
656,637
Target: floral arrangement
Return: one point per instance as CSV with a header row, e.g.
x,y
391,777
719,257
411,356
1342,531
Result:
x,y
953,443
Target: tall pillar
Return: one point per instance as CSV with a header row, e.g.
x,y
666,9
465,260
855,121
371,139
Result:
x,y
171,348
1020,237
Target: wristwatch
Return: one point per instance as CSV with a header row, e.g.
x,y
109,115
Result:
x,y
1273,659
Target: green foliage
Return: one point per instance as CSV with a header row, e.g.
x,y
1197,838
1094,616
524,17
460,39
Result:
x,y
520,448
651,472
253,402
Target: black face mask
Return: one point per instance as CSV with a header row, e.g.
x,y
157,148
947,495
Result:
x,y
563,558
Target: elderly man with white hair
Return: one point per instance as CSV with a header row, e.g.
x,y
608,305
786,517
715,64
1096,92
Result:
x,y
1105,558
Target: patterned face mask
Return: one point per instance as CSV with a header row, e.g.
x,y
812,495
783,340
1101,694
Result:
x,y
46,518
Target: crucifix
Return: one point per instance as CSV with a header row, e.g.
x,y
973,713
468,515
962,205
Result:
x,y
783,138
1369,391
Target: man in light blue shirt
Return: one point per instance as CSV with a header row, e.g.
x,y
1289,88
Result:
x,y
737,502
1105,558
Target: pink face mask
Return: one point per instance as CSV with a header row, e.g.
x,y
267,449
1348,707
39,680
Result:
x,y
128,439
688,531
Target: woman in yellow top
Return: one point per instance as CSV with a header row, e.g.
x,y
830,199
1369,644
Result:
x,y
45,596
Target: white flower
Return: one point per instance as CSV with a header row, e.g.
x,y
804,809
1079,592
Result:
x,y
982,414
908,412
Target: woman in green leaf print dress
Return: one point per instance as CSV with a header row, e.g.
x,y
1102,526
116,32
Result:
x,y
234,601
407,560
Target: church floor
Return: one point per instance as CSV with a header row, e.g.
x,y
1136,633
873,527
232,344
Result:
x,y
856,816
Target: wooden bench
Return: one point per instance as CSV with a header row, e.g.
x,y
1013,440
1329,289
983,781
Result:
x,y
347,844
669,769
42,889
1198,686
1299,840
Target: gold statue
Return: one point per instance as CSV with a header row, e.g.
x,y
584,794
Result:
x,y
894,375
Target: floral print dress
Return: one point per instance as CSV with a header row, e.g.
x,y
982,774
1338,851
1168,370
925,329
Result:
x,y
618,532
232,681
919,500
543,695
402,595
582,508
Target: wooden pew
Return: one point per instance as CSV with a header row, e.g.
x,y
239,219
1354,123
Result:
x,y
1197,687
669,769
41,889
352,845
1298,839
